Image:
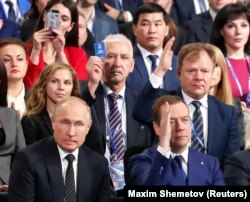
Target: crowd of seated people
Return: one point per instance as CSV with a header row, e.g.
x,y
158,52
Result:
x,y
129,66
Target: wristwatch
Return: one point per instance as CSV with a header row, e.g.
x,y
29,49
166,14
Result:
x,y
121,18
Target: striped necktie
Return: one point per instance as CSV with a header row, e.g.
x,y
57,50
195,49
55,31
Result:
x,y
115,128
197,131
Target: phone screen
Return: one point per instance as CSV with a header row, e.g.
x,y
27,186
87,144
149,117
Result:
x,y
53,19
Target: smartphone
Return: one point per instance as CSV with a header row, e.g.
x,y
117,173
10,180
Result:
x,y
53,18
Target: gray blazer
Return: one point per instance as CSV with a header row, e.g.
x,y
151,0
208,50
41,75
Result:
x,y
14,141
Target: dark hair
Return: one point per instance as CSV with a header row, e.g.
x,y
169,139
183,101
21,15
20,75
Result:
x,y
3,85
33,12
7,41
150,8
156,109
156,8
228,12
71,38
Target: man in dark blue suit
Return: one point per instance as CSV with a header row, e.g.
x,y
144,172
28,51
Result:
x,y
199,28
20,8
40,171
107,76
120,10
185,10
195,67
151,28
158,165
99,24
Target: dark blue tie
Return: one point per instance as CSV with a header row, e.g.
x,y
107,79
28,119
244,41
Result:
x,y
115,128
197,131
153,59
11,12
178,159
69,188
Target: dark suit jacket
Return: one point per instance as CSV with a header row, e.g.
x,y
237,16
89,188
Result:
x,y
152,168
104,25
36,127
139,77
237,169
37,175
182,11
128,5
223,133
9,29
199,28
137,133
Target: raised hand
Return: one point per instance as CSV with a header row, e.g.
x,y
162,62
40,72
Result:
x,y
166,59
111,11
165,127
94,68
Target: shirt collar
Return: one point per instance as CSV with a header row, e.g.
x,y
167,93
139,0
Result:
x,y
184,154
212,13
188,99
109,91
64,153
145,53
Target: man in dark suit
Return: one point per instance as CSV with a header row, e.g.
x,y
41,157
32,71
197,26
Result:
x,y
185,10
108,76
158,164
237,168
127,28
40,171
20,7
121,11
98,23
151,26
199,28
195,67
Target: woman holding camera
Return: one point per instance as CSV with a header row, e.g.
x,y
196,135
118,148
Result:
x,y
60,44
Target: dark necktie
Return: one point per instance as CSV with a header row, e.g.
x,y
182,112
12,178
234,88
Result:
x,y
202,5
69,188
11,12
178,159
197,132
115,129
153,59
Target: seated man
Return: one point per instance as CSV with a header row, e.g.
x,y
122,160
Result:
x,y
172,162
59,168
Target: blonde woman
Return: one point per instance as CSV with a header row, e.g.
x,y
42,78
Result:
x,y
221,88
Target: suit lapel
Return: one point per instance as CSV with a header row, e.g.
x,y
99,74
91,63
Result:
x,y
54,169
129,108
100,111
212,128
140,65
206,23
46,120
84,181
